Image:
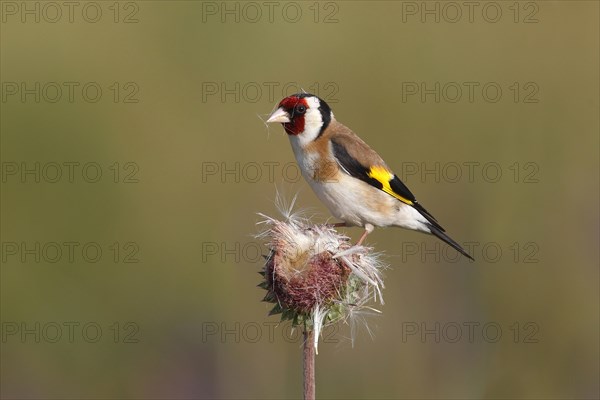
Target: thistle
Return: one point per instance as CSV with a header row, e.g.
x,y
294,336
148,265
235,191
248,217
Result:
x,y
315,277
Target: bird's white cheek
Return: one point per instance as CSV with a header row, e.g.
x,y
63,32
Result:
x,y
312,127
314,121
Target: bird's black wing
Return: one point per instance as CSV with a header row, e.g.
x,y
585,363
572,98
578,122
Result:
x,y
377,175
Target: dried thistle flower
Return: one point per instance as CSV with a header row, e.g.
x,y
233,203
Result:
x,y
314,275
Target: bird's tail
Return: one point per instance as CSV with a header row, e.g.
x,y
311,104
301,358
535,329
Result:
x,y
440,234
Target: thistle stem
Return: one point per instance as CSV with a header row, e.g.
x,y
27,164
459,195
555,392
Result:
x,y
309,365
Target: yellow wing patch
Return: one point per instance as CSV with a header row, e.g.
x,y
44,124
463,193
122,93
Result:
x,y
383,176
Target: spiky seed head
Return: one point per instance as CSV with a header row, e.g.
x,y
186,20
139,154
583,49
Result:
x,y
314,276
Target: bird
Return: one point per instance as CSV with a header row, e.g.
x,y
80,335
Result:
x,y
347,175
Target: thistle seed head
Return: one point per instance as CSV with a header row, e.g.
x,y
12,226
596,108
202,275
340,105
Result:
x,y
314,276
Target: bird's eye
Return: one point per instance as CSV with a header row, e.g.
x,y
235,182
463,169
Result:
x,y
300,109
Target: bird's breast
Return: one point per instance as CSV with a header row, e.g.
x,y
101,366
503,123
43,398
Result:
x,y
316,164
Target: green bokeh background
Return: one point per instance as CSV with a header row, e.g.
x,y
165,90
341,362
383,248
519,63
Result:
x,y
180,291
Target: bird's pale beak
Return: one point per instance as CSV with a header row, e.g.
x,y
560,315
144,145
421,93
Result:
x,y
279,115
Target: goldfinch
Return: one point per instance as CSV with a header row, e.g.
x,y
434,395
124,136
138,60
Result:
x,y
349,177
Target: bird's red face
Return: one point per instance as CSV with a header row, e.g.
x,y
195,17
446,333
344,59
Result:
x,y
290,112
303,115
